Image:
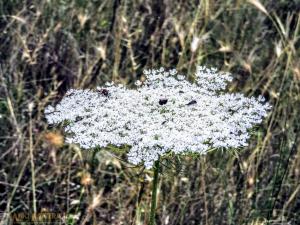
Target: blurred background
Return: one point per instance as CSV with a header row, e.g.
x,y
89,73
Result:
x,y
49,46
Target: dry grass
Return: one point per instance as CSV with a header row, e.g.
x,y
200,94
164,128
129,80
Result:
x,y
46,47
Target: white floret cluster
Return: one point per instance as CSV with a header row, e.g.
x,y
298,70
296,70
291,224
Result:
x,y
165,113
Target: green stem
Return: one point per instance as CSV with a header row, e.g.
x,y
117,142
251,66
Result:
x,y
154,192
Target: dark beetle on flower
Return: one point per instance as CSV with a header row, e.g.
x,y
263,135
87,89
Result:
x,y
192,102
163,101
104,92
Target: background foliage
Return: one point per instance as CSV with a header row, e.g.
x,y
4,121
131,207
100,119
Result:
x,y
48,46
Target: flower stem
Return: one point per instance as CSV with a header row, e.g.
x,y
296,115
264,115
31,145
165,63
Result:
x,y
154,192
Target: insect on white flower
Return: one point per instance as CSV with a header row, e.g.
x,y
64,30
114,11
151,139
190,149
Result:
x,y
165,113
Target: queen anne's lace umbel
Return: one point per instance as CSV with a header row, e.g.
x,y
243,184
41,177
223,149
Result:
x,y
165,113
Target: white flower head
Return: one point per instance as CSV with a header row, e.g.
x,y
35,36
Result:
x,y
164,114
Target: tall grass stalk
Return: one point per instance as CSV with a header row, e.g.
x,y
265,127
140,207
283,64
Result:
x,y
154,192
32,162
